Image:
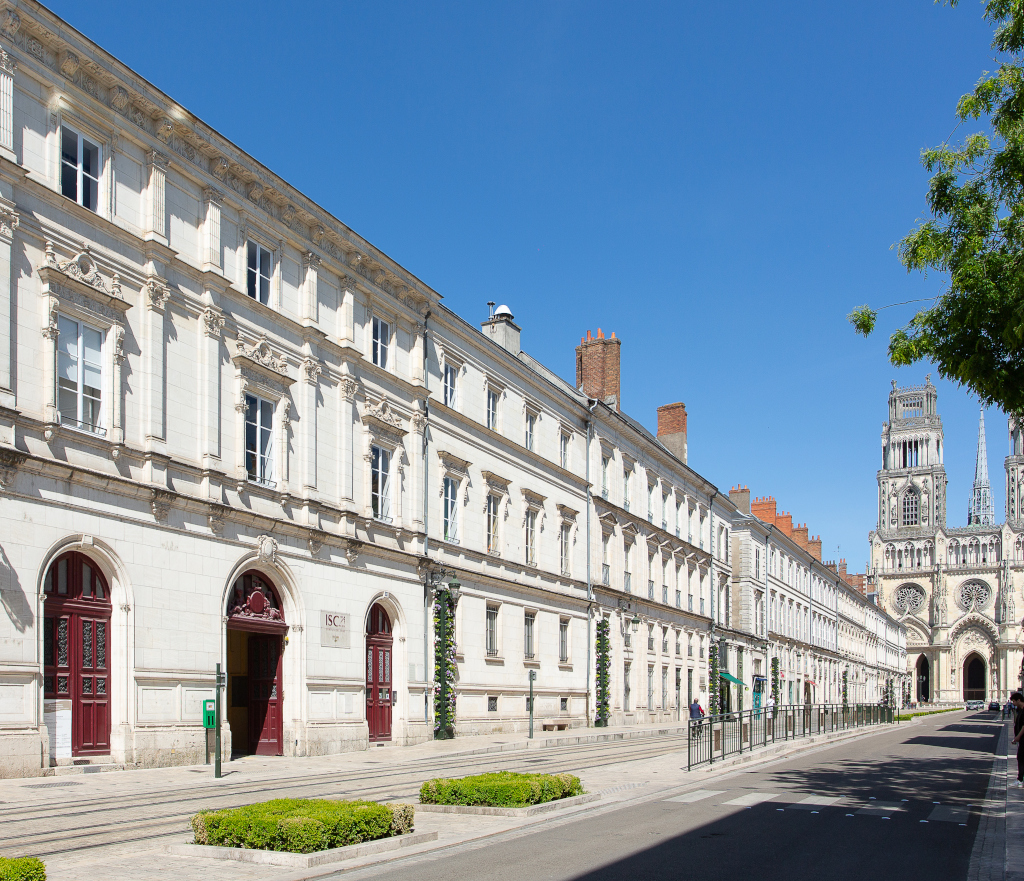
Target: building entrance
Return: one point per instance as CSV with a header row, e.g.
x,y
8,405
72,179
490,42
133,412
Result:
x,y
379,694
923,680
974,678
255,643
76,653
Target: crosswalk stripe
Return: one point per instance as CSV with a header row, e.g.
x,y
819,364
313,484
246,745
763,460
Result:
x,y
880,808
696,795
820,800
752,798
950,814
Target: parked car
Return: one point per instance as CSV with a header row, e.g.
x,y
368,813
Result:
x,y
974,705
993,706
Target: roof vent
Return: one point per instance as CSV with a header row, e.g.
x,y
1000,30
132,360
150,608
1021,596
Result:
x,y
503,312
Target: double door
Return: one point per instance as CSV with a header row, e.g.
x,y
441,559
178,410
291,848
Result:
x,y
266,734
378,687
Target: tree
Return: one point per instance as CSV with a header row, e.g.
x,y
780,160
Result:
x,y
974,330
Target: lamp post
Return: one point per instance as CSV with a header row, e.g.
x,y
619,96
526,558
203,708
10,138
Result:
x,y
448,597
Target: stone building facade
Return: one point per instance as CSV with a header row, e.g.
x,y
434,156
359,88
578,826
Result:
x,y
953,588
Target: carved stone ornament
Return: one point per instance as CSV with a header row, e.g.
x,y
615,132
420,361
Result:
x,y
908,598
157,293
164,130
119,98
288,216
973,596
7,63
213,322
452,463
117,332
311,370
352,552
315,541
160,504
260,353
81,268
69,64
219,168
10,23
384,417
348,387
317,235
215,521
255,191
266,550
10,461
8,221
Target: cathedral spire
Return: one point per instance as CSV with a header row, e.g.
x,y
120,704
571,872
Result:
x,y
980,511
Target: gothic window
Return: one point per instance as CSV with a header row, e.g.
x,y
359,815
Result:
x,y
908,598
910,509
973,595
1019,548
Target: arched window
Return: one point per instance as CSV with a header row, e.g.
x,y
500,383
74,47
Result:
x,y
910,509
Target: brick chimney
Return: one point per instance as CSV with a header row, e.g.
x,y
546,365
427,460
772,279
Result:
x,y
597,369
740,496
784,521
800,536
814,546
764,509
672,429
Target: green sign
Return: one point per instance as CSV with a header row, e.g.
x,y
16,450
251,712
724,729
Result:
x,y
210,714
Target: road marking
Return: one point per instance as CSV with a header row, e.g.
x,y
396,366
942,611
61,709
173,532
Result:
x,y
696,795
881,808
950,814
818,801
752,798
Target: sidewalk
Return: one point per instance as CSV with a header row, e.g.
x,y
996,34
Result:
x,y
642,766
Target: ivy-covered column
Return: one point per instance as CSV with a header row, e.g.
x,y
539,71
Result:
x,y
444,665
602,676
715,685
776,683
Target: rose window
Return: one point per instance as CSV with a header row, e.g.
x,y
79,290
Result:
x,y
973,595
908,598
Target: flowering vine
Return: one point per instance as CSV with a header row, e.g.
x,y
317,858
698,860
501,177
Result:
x,y
714,687
445,668
602,677
846,689
776,682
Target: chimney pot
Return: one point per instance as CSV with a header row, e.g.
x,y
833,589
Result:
x,y
597,368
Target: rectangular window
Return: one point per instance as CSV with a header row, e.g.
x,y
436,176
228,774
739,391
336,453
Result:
x,y
563,641
563,549
604,477
650,503
531,424
259,440
492,630
451,375
625,490
79,168
531,538
381,341
492,704
650,687
563,450
380,484
260,268
492,410
451,509
529,619
650,637
492,524
79,375
625,687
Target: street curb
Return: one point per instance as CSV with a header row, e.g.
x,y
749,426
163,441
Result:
x,y
530,811
300,860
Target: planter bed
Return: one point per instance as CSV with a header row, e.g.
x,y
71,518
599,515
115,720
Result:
x,y
22,869
300,826
504,789
529,811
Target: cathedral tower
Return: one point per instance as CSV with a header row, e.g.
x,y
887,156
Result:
x,y
912,480
1015,475
980,511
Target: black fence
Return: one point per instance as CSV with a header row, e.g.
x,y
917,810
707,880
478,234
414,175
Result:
x,y
715,737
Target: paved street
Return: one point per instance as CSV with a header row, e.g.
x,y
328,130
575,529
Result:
x,y
905,800
904,804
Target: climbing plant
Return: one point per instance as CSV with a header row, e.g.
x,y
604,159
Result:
x,y
444,666
776,684
846,688
714,687
602,676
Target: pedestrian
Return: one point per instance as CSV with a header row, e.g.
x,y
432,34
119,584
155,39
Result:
x,y
1008,709
695,711
1017,699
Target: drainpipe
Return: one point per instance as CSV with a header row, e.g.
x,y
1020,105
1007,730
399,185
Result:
x,y
590,586
426,534
711,599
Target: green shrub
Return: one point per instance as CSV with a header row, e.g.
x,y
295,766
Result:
x,y
22,869
906,717
301,825
504,789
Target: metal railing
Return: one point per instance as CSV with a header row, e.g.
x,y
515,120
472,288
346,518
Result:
x,y
714,738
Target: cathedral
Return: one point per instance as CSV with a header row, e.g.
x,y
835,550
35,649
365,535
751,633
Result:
x,y
953,587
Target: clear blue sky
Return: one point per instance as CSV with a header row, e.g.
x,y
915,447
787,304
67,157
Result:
x,y
717,183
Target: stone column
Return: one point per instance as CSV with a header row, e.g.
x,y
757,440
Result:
x,y
156,211
116,403
346,331
155,294
50,335
282,464
310,383
347,388
309,306
211,229
418,343
418,459
7,68
8,224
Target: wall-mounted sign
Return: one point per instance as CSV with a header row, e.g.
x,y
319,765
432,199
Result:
x,y
334,630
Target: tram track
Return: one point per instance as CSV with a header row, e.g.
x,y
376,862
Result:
x,y
91,832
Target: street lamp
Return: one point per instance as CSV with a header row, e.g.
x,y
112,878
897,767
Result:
x,y
635,622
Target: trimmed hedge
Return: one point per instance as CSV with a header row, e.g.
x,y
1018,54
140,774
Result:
x,y
301,825
504,789
22,869
906,717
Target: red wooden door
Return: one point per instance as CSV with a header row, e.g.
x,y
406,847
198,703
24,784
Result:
x,y
76,649
378,675
266,734
378,688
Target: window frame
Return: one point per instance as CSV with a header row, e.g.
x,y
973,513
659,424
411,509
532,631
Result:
x,y
380,351
381,495
450,385
253,273
563,450
98,427
258,475
529,430
530,537
529,634
492,523
80,172
450,509
492,646
493,399
564,548
563,640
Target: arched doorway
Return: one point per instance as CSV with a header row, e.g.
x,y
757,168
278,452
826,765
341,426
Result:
x,y
76,653
923,680
255,642
974,678
379,694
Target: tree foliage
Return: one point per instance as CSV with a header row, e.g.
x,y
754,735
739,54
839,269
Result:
x,y
974,331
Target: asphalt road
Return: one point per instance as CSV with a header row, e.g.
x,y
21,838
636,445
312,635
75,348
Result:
x,y
901,805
